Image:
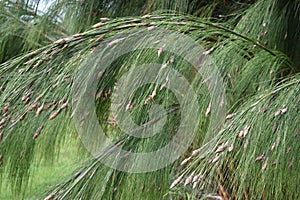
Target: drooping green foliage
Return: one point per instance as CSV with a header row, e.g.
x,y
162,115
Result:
x,y
36,103
275,24
255,155
23,29
24,26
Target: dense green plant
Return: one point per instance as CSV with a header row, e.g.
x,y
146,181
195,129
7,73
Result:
x,y
254,156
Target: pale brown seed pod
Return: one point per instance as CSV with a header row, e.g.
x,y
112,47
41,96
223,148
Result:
x,y
196,177
195,184
23,116
54,86
3,120
56,52
29,61
54,115
159,52
50,196
84,116
288,150
230,149
62,100
216,158
49,106
285,35
145,24
165,65
284,110
60,41
189,179
265,165
46,58
297,133
230,116
291,163
273,146
244,132
99,39
98,25
277,113
266,109
129,106
276,128
119,143
64,105
14,118
47,51
104,19
38,132
153,94
120,105
172,59
115,42
196,152
77,35
181,23
221,148
266,42
38,98
281,111
260,158
185,161
1,135
164,85
39,63
34,106
108,93
147,100
146,16
208,52
5,109
159,188
25,97
72,114
113,121
208,110
68,76
40,109
99,94
177,181
202,187
100,73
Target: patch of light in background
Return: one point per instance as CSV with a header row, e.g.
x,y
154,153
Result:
x,y
44,5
